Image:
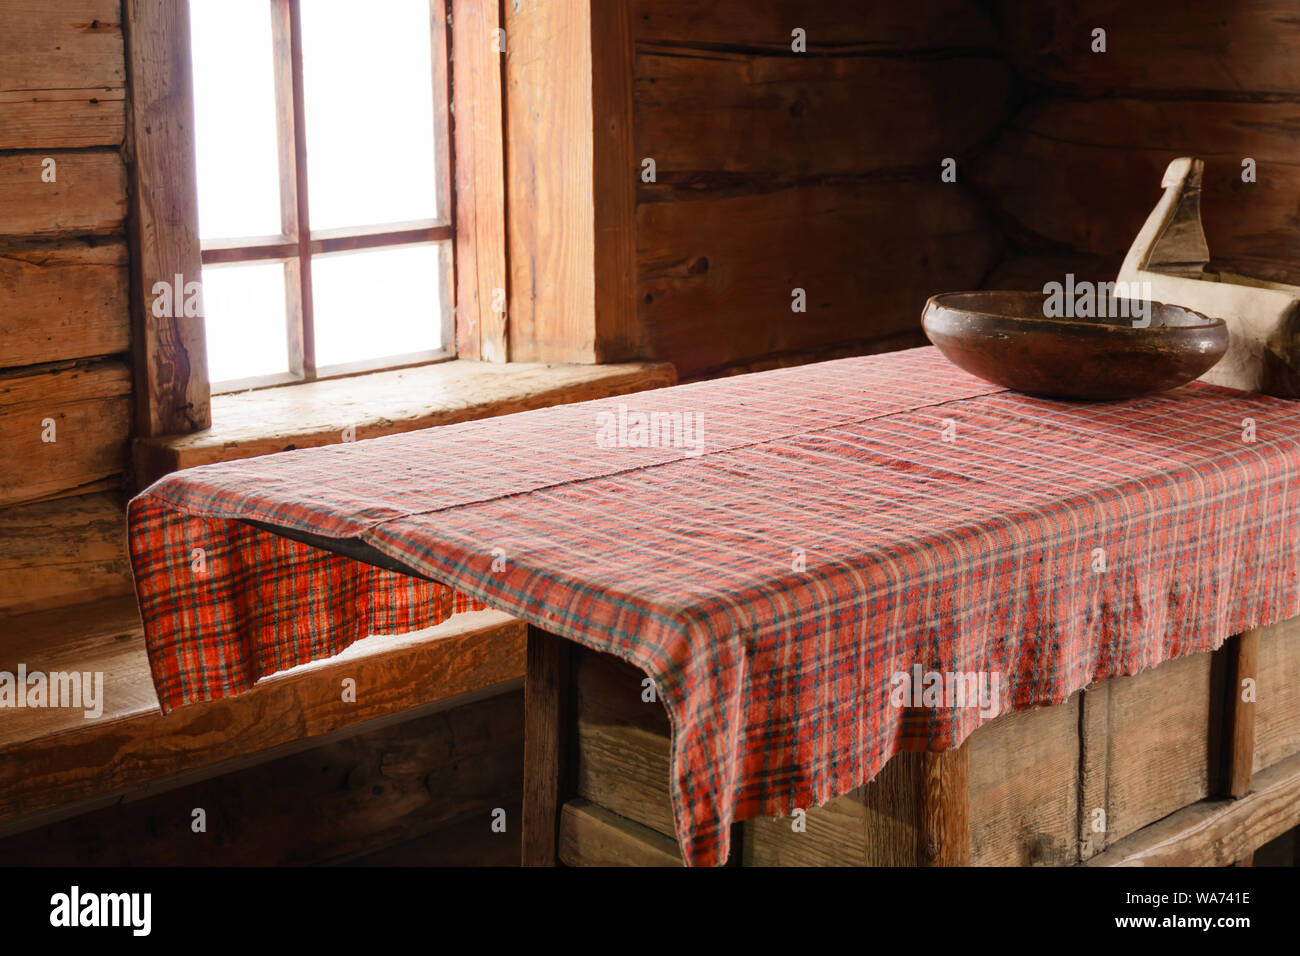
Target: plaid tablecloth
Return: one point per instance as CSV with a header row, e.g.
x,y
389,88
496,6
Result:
x,y
805,536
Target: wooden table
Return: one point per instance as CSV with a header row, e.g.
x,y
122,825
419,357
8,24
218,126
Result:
x,y
1171,766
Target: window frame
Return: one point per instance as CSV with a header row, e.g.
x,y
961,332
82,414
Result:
x,y
297,244
172,392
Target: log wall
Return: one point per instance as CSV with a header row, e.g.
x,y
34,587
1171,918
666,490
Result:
x,y
1077,169
777,170
65,374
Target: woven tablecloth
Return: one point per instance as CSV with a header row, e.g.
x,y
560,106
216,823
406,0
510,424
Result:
x,y
824,529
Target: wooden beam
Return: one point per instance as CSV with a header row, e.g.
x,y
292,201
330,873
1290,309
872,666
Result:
x,y
546,732
570,182
86,282
52,758
87,196
1239,730
591,835
67,430
1216,832
944,812
61,74
482,281
56,553
172,395
615,174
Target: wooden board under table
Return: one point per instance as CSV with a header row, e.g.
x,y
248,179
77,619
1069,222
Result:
x,y
1153,768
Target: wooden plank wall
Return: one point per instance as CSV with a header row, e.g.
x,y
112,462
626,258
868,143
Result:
x,y
777,170
1076,171
65,373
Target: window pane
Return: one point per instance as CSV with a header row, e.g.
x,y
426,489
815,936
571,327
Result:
x,y
245,320
234,118
376,303
368,81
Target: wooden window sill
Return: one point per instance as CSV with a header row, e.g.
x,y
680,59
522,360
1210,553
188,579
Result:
x,y
306,415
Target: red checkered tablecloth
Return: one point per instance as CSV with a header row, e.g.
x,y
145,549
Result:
x,y
803,537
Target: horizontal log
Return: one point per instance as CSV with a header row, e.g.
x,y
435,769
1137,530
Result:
x,y
1029,271
1159,47
53,759
62,74
1216,832
1084,174
66,430
831,26
784,117
338,799
63,302
63,552
591,835
62,119
717,274
87,196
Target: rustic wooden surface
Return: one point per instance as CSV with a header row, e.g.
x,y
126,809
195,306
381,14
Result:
x,y
591,835
547,762
62,74
717,267
550,244
385,403
569,184
61,302
1156,744
170,353
89,404
622,748
1159,47
88,196
53,757
613,183
61,552
1277,707
833,26
480,183
337,801
1239,731
1074,172
463,843
944,814
1024,792
1216,832
763,188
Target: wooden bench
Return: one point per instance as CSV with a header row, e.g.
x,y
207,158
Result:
x,y
56,762
1165,767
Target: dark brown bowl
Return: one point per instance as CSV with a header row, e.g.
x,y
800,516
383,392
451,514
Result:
x,y
1005,338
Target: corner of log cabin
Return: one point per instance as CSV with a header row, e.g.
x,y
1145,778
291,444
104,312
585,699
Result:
x,y
630,194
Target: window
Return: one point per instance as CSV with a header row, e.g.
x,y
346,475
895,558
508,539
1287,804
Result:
x,y
324,186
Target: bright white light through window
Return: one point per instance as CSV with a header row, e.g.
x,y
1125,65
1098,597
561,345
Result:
x,y
368,303
369,92
244,316
235,134
367,133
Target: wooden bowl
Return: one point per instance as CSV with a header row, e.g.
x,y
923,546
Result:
x,y
1005,338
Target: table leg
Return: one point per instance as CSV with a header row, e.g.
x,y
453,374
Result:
x,y
944,814
1243,655
546,699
